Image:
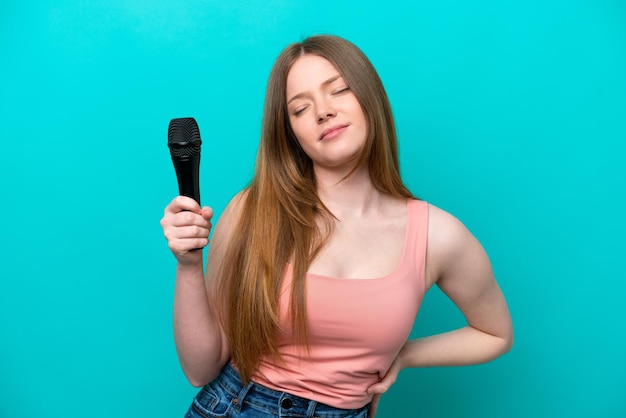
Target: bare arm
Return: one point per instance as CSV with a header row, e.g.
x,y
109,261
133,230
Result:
x,y
458,264
200,341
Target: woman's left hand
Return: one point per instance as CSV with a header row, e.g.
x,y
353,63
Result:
x,y
385,383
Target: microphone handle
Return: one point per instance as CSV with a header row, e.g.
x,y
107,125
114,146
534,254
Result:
x,y
188,175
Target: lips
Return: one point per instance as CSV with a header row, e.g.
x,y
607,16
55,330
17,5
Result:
x,y
332,132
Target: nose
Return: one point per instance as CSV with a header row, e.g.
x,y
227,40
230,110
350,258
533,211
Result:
x,y
325,112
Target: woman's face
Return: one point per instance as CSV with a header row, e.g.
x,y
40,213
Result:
x,y
324,114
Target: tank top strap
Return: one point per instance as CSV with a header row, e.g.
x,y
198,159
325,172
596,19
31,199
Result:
x,y
417,236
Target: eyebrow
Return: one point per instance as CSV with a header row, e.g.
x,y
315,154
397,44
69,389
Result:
x,y
324,84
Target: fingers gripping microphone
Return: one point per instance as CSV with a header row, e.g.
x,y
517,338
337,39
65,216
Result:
x,y
183,139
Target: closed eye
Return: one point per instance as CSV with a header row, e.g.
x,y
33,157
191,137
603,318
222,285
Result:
x,y
342,90
299,110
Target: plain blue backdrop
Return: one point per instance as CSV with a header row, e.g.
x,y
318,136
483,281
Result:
x,y
511,115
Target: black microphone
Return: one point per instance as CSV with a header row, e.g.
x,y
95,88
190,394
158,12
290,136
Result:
x,y
183,139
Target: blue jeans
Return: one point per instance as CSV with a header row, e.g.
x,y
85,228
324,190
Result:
x,y
226,396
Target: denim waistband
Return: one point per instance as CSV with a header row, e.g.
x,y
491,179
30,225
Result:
x,y
280,404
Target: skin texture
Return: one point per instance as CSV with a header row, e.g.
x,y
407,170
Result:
x,y
330,126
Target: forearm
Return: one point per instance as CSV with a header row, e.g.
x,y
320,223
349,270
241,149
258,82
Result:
x,y
464,346
197,332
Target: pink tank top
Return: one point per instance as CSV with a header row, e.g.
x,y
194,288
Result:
x,y
356,326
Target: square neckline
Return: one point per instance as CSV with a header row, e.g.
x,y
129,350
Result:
x,y
401,262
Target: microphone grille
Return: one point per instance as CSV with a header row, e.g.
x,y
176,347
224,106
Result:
x,y
183,137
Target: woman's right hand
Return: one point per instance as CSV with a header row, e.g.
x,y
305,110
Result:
x,y
186,227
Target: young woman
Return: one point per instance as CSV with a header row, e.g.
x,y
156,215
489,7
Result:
x,y
316,271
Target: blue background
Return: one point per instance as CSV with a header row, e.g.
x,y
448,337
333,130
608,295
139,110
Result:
x,y
511,115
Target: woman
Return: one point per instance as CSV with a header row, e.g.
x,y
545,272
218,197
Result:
x,y
317,269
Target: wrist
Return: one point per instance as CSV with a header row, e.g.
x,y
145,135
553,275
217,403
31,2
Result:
x,y
190,268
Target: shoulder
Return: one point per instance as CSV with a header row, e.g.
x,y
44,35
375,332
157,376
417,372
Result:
x,y
234,208
236,204
444,228
228,220
451,246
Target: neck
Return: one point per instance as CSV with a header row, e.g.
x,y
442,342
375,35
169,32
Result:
x,y
355,195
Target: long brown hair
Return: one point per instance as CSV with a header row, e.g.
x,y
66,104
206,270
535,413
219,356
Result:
x,y
278,221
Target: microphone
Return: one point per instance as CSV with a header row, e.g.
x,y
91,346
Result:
x,y
183,139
